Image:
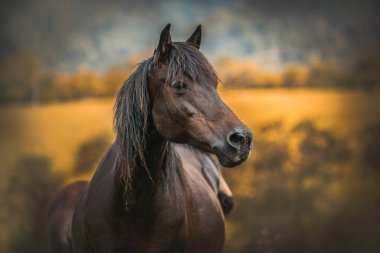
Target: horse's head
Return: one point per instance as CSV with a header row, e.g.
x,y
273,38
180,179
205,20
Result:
x,y
186,107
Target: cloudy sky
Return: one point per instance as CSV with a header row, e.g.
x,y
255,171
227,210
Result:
x,y
70,35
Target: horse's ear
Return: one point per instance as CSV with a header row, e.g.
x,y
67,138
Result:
x,y
195,38
164,43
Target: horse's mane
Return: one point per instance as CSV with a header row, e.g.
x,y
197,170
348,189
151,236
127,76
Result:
x,y
132,107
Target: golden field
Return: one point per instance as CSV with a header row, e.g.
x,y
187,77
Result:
x,y
312,174
58,129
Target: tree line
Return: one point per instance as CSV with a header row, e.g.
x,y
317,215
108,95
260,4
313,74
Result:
x,y
24,80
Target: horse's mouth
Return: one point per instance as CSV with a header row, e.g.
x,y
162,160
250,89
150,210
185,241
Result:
x,y
230,160
227,156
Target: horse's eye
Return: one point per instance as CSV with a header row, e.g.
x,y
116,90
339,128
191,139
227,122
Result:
x,y
180,87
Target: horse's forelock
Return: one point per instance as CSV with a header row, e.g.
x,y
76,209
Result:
x,y
185,59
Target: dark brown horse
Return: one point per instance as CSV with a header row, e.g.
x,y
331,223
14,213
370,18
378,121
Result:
x,y
145,196
62,209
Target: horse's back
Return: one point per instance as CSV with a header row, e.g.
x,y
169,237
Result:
x,y
60,216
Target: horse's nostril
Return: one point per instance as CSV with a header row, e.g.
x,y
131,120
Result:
x,y
236,139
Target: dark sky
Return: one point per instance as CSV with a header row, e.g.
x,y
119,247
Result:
x,y
67,35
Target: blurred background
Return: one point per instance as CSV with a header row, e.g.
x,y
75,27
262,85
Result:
x,y
304,75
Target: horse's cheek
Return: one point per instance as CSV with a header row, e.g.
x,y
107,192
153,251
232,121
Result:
x,y
164,124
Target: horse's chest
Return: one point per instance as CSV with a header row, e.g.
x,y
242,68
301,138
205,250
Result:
x,y
192,222
195,224
189,221
205,226
197,229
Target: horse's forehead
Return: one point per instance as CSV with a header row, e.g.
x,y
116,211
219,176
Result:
x,y
192,66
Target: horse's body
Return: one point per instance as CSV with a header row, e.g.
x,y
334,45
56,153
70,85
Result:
x,y
60,217
149,194
137,231
62,210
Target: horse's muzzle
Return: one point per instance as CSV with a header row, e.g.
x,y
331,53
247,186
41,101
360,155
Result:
x,y
229,157
235,149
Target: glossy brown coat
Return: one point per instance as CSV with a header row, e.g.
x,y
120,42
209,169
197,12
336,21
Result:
x,y
146,195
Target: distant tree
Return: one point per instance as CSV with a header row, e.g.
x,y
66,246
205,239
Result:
x,y
370,158
294,76
326,73
365,71
114,78
31,187
20,73
90,153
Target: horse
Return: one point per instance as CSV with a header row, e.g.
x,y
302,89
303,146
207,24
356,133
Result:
x,y
145,196
62,209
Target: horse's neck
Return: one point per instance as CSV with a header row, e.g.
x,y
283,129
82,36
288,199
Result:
x,y
147,179
155,156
